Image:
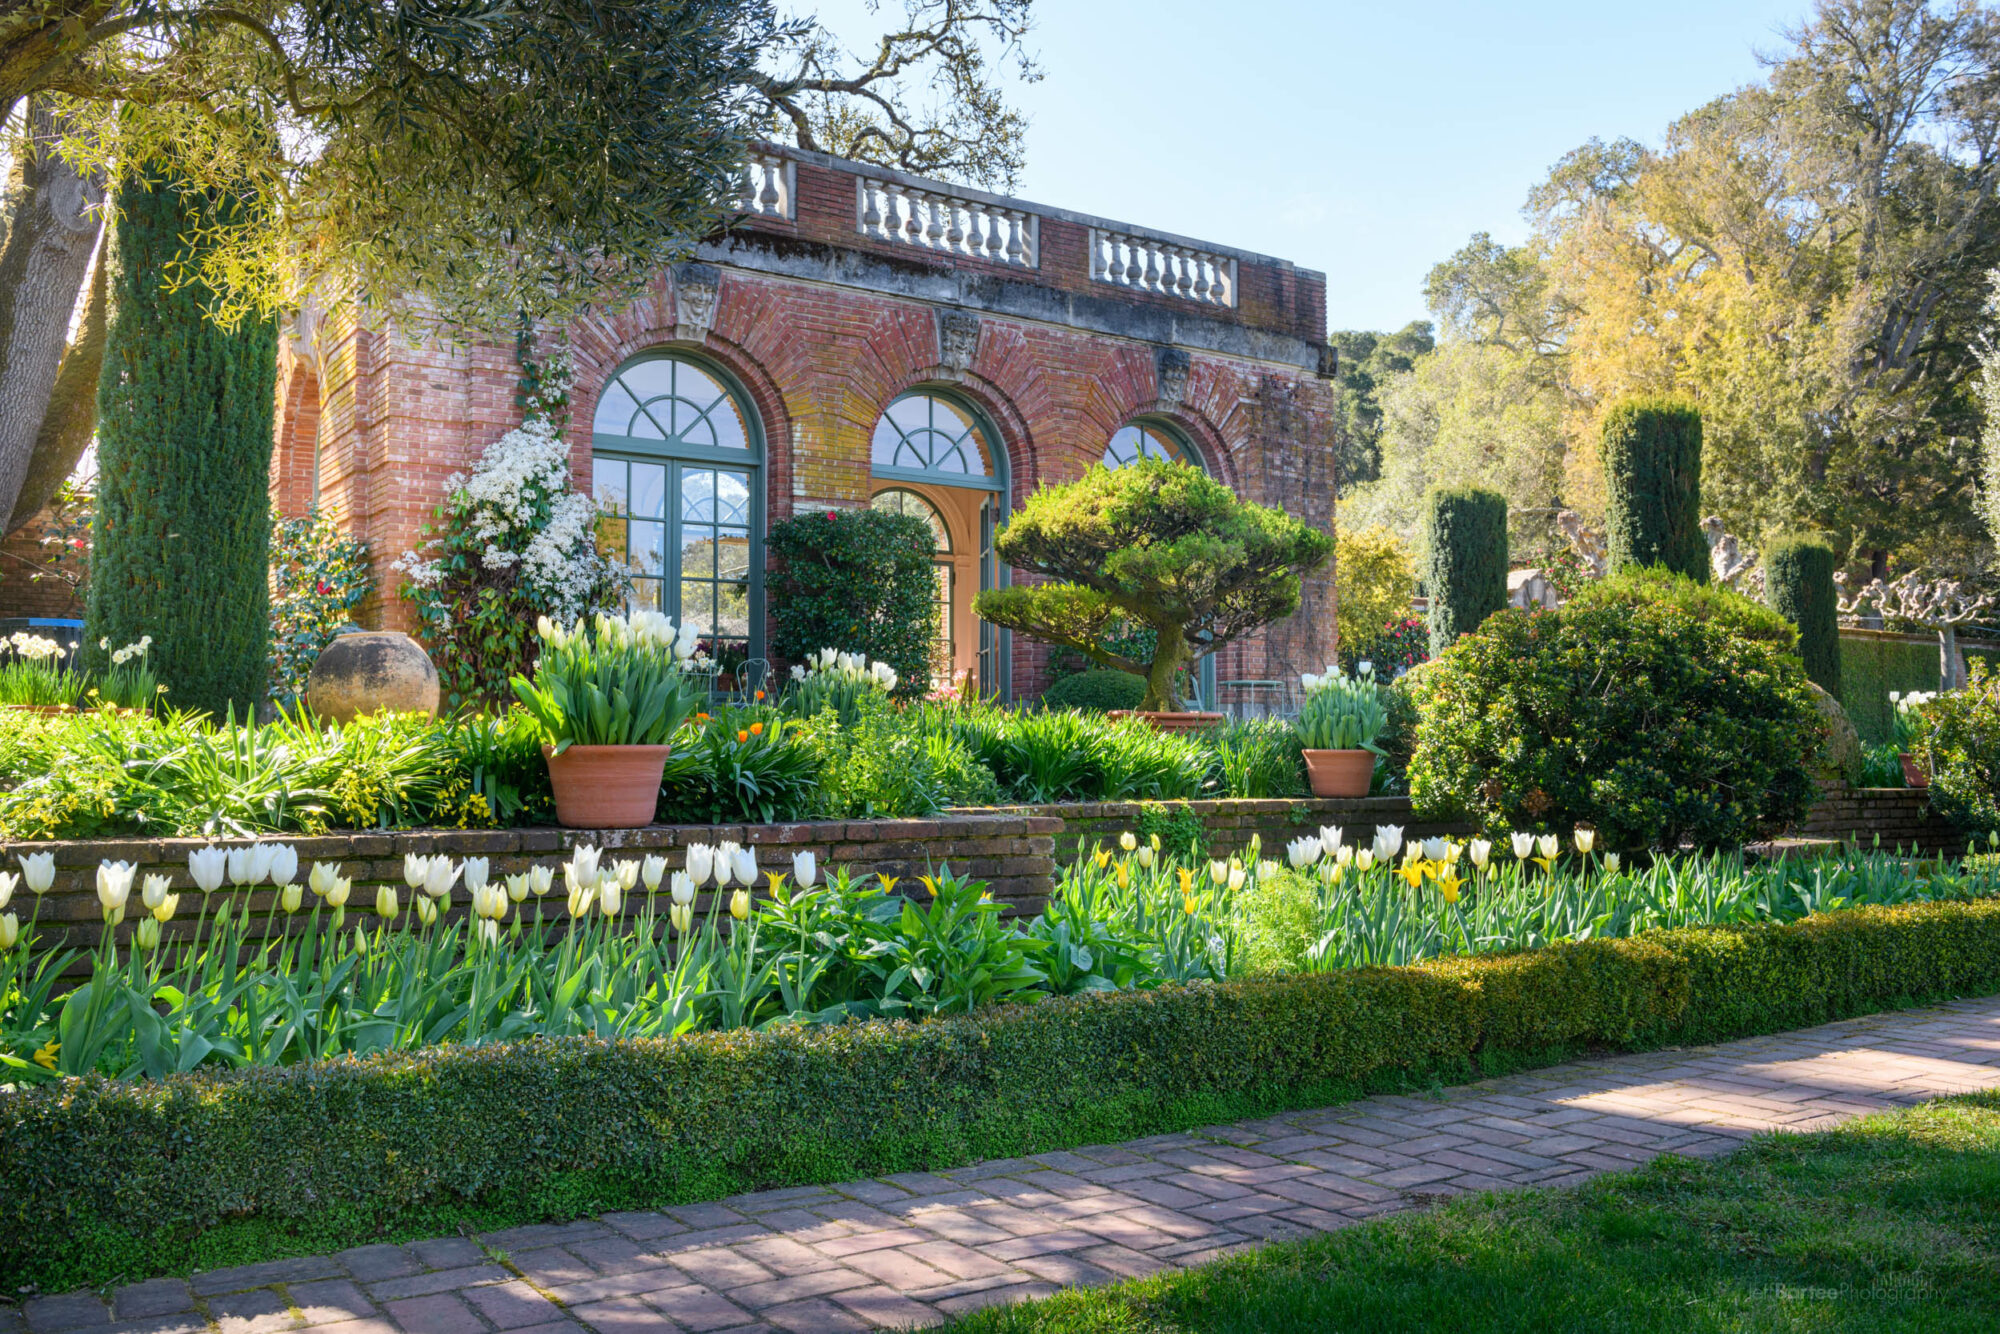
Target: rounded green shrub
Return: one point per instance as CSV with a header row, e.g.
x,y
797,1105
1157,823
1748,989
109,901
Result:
x,y
861,581
1636,716
1098,691
1957,736
1798,578
1465,560
1651,449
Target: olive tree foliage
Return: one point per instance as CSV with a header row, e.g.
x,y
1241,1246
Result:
x,y
1160,544
455,164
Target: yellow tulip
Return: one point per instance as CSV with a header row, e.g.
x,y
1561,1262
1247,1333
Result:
x,y
1186,878
1102,858
1448,886
739,904
1413,874
1124,876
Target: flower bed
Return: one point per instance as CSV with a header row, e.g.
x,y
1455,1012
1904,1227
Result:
x,y
103,1177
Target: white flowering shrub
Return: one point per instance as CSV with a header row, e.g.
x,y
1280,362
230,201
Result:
x,y
513,543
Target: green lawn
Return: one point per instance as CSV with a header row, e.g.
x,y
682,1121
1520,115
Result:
x,y
1890,1223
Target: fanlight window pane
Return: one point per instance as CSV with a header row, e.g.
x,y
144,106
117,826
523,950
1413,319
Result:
x,y
664,398
898,501
924,433
1132,443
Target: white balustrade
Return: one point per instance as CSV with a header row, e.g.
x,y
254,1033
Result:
x,y
1147,265
769,186
947,223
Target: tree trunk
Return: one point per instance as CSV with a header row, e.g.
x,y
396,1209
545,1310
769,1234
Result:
x,y
71,418
1951,673
1167,660
42,268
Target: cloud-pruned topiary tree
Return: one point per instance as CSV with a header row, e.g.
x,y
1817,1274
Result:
x,y
1160,544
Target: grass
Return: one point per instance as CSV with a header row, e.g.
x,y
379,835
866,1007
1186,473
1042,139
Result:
x,y
1891,1222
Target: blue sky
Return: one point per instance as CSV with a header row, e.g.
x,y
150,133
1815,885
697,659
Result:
x,y
1366,140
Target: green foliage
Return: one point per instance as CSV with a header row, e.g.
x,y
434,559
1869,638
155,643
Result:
x,y
1366,362
1376,582
1650,724
1697,599
1159,544
107,1179
1871,669
1651,451
1050,756
613,682
859,581
318,578
897,762
1099,690
1956,736
743,766
1798,574
1341,712
1465,560
181,536
846,683
1255,757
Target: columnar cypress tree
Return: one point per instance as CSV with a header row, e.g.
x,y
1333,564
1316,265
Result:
x,y
1652,478
1798,580
181,545
1465,560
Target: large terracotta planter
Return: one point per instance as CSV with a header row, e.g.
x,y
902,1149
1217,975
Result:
x,y
1340,773
1913,770
606,787
42,708
1169,722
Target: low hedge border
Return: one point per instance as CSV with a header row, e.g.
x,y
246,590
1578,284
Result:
x,y
102,1180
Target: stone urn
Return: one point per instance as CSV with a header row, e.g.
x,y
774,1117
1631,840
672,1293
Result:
x,y
366,671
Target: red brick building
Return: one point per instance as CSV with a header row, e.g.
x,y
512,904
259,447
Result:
x,y
862,337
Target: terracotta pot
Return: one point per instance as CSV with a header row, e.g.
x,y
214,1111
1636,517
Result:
x,y
1913,772
1169,722
41,708
606,787
1340,773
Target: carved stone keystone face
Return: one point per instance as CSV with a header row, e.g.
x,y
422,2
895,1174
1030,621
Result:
x,y
696,287
958,339
1170,365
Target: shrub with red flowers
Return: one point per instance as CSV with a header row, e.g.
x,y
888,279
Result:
x,y
1399,646
318,578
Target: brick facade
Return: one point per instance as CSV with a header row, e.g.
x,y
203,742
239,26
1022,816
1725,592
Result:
x,y
821,327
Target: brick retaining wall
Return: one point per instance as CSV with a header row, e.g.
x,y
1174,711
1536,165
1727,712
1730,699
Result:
x,y
1901,817
1015,850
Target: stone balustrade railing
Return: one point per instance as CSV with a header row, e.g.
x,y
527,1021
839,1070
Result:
x,y
887,210
770,187
1167,268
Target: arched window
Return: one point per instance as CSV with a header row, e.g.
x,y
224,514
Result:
x,y
1146,440
675,460
925,437
899,500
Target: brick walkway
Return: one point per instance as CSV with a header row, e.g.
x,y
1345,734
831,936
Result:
x,y
912,1249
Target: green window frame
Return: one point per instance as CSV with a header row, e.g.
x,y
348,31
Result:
x,y
677,455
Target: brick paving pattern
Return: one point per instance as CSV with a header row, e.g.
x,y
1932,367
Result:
x,y
915,1248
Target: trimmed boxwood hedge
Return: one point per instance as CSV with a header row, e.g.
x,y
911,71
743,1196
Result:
x,y
101,1179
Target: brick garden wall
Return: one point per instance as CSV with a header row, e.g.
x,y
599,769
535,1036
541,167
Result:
x,y
1900,817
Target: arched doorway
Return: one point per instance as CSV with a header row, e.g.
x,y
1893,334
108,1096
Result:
x,y
1153,438
936,456
676,461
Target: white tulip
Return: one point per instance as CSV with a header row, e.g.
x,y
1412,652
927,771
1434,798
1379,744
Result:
x,y
10,930
580,899
291,896
438,881
114,887
1611,863
152,890
653,870
262,858
322,876
1524,844
682,917
1388,840
385,902
1331,839
1236,878
1435,849
1302,852
1364,858
805,869
284,866
477,873
517,886
541,879
1218,872
700,862
7,882
682,887
628,875
1482,852
416,870
39,870
1344,854
206,867
1586,839
1128,840
489,932
745,866
611,897
723,869
239,867
1146,858
427,913
1548,845
585,859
